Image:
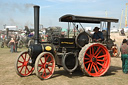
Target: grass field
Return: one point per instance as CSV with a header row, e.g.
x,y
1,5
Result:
x,y
8,76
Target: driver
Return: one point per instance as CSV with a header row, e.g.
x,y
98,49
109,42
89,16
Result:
x,y
98,35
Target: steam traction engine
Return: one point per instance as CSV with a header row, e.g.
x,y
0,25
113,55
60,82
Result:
x,y
67,52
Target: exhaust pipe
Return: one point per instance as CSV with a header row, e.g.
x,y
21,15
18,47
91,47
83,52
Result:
x,y
36,24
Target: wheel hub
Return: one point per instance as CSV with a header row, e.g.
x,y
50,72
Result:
x,y
94,59
25,63
46,66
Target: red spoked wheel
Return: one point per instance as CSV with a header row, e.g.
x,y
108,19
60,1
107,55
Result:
x,y
45,65
24,65
115,51
94,59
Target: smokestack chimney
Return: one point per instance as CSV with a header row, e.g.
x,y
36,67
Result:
x,y
36,24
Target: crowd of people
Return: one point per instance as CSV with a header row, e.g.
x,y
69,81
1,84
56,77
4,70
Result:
x,y
10,41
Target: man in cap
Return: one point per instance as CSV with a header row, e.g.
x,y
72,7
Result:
x,y
98,35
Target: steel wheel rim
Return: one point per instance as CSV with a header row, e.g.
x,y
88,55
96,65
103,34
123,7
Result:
x,y
23,66
96,60
46,66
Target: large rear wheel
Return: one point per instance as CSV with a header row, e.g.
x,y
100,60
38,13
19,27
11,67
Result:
x,y
23,64
45,65
94,59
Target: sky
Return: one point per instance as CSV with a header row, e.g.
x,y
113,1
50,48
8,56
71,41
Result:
x,y
20,13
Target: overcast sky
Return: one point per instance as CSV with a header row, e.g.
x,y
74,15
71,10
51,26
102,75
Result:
x,y
20,12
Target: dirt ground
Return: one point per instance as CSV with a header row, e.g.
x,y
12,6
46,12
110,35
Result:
x,y
8,76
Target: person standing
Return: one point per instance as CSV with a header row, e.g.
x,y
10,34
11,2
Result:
x,y
122,32
12,43
16,42
124,56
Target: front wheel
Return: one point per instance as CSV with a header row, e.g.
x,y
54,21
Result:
x,y
23,65
45,65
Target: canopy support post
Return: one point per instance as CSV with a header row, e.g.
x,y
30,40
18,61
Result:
x,y
108,30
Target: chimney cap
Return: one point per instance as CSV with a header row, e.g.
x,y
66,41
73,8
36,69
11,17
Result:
x,y
36,6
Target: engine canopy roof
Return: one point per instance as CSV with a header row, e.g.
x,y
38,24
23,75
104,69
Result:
x,y
85,19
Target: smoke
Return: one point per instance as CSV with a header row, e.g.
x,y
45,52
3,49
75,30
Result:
x,y
10,14
29,5
12,21
15,6
28,23
17,14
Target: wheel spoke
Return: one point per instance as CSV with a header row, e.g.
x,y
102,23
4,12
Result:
x,y
23,57
20,61
40,69
21,69
91,66
50,62
39,65
86,58
49,71
28,59
27,69
101,60
97,51
95,68
32,69
87,62
41,61
88,66
20,66
92,51
101,56
47,58
100,64
50,66
87,54
45,72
